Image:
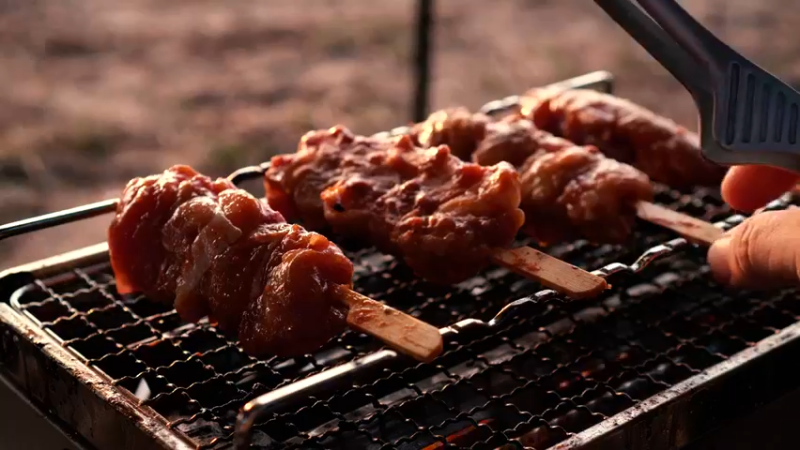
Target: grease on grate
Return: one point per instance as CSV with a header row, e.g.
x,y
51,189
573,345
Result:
x,y
555,370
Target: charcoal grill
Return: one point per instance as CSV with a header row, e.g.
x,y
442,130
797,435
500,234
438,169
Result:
x,y
662,357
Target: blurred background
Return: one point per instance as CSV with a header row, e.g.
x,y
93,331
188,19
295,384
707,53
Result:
x,y
94,92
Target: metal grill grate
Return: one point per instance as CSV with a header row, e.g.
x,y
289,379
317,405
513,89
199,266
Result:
x,y
554,370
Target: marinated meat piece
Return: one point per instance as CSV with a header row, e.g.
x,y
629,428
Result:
x,y
136,231
568,191
577,192
514,140
457,128
218,251
297,311
441,215
295,181
445,221
624,131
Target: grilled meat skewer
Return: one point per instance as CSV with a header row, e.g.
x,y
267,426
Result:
x,y
441,215
445,218
622,130
217,251
568,191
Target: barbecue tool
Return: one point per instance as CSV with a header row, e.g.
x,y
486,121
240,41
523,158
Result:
x,y
747,115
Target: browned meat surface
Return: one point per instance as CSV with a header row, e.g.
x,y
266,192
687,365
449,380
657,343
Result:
x,y
218,251
624,131
514,140
295,181
568,191
136,232
577,192
457,128
441,215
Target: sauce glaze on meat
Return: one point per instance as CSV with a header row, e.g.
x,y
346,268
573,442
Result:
x,y
624,131
216,250
457,128
568,191
577,192
443,216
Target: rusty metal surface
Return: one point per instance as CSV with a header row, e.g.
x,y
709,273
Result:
x,y
76,395
54,376
726,391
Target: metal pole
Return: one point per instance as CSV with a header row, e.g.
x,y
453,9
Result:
x,y
422,59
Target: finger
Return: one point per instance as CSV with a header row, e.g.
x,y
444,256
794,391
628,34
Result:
x,y
747,188
761,252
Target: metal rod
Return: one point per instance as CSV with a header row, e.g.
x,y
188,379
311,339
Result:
x,y
57,218
98,209
248,173
422,59
600,80
257,408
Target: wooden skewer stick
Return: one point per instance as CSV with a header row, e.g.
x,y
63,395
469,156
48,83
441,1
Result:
x,y
693,229
396,329
550,271
577,283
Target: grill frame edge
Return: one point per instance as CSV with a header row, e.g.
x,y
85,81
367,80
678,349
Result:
x,y
740,385
69,389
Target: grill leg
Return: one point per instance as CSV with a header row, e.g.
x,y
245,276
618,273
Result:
x,y
422,59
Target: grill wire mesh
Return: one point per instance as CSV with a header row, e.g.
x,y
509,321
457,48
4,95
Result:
x,y
554,370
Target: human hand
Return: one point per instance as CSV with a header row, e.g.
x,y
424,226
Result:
x,y
763,251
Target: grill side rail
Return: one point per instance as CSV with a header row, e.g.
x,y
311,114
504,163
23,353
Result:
x,y
58,382
719,395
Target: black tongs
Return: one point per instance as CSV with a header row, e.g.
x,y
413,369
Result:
x,y
747,115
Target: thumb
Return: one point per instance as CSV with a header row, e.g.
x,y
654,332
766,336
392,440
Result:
x,y
761,252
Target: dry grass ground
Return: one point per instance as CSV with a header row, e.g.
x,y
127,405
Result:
x,y
94,92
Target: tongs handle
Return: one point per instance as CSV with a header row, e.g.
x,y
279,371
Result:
x,y
689,34
655,40
747,115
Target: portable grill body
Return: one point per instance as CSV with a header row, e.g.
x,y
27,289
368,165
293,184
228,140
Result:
x,y
661,358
